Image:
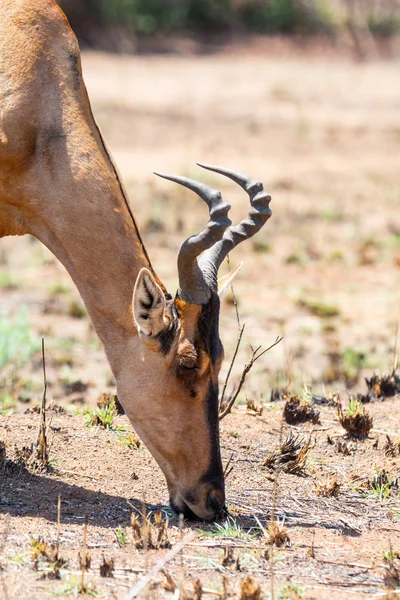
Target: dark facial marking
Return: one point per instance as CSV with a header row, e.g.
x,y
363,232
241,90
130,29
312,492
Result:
x,y
166,337
214,473
209,328
209,332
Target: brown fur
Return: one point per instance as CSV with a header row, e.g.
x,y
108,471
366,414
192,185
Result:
x,y
58,183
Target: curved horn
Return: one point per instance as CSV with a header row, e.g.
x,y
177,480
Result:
x,y
257,217
194,285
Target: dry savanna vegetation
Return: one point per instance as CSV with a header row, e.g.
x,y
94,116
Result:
x,y
312,445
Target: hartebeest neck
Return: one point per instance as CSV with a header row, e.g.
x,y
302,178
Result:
x,y
57,180
84,218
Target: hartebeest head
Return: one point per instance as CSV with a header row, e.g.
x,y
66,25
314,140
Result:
x,y
178,358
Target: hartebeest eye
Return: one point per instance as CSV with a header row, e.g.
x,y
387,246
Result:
x,y
189,366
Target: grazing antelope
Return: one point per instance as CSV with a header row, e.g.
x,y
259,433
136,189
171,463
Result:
x,y
59,184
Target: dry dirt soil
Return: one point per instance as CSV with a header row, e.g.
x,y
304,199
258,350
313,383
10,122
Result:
x,y
323,134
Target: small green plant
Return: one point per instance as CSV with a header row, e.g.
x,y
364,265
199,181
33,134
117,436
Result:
x,y
233,433
295,258
67,375
59,288
17,343
354,358
130,440
391,577
72,587
7,281
104,416
229,529
16,559
333,215
7,403
390,554
261,247
291,592
318,309
76,310
381,486
122,536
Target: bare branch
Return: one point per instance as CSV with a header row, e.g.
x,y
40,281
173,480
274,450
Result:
x,y
255,355
231,365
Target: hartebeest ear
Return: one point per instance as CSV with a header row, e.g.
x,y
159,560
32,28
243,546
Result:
x,y
224,281
148,304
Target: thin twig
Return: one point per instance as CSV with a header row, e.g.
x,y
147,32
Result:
x,y
144,581
84,555
41,443
228,470
58,524
395,354
256,354
231,365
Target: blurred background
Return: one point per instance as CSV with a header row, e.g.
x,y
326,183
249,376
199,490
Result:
x,y
140,25
301,94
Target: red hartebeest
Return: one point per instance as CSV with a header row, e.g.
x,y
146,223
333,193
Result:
x,y
59,184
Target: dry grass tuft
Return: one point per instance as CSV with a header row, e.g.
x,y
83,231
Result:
x,y
344,447
356,421
48,554
145,535
329,488
391,577
297,410
365,398
391,448
106,400
277,533
228,557
197,590
253,409
169,584
34,458
132,441
107,567
85,560
194,592
291,455
384,386
249,589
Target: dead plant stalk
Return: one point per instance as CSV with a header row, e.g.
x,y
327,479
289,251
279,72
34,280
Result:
x,y
41,443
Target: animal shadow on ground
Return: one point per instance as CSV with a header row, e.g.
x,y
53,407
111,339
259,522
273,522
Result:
x,y
25,494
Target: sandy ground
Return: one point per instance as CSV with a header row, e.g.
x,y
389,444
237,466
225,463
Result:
x,y
323,135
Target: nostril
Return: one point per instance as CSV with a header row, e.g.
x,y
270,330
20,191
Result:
x,y
216,500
